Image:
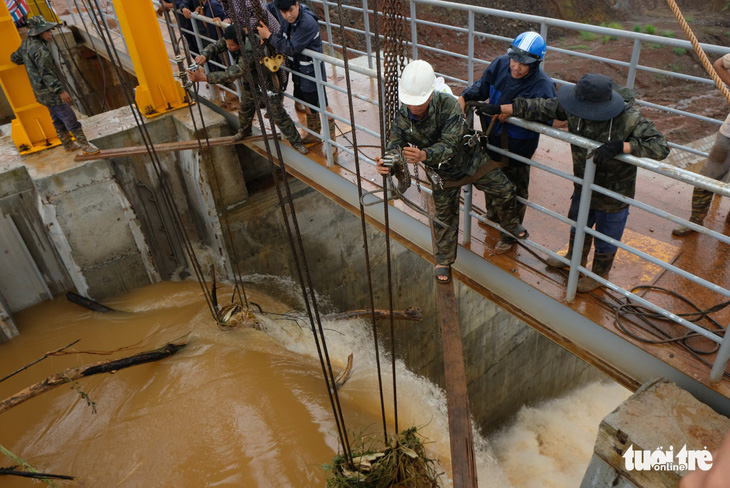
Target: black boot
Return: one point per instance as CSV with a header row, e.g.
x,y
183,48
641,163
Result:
x,y
602,263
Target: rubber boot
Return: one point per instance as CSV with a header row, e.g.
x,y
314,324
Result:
x,y
314,123
602,263
68,143
701,200
86,146
587,243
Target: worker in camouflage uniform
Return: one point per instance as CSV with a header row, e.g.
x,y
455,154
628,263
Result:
x,y
429,128
247,108
717,164
48,86
596,111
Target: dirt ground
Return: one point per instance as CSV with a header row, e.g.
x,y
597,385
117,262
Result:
x,y
693,97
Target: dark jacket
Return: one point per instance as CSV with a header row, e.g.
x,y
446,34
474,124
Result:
x,y
629,126
212,9
43,73
293,38
499,87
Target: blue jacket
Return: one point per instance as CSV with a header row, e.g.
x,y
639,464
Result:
x,y
498,86
293,38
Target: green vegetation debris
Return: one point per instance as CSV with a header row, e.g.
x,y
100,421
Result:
x,y
25,465
637,28
678,51
668,34
586,36
650,29
403,464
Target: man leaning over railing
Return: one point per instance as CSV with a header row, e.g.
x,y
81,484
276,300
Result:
x,y
232,35
596,111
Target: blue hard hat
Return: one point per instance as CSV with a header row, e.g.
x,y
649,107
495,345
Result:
x,y
527,48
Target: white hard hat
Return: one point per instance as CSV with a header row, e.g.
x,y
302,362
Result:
x,y
416,83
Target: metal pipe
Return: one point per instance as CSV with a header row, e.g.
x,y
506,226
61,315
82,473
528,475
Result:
x,y
323,113
366,27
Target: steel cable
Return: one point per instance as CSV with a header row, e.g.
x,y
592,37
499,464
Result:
x,y
279,174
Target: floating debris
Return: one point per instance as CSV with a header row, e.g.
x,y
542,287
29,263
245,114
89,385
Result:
x,y
403,464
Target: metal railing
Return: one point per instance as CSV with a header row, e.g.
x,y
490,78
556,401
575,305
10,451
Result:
x,y
632,65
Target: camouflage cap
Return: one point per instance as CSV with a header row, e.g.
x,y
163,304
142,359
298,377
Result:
x,y
38,25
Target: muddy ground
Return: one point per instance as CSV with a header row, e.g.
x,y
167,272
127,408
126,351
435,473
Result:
x,y
652,87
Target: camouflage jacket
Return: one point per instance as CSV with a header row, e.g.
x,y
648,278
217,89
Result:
x,y
629,126
440,134
237,70
42,70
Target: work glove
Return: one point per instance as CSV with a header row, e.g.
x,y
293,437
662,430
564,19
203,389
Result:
x,y
484,108
607,151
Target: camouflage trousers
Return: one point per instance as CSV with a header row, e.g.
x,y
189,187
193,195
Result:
x,y
516,171
497,189
716,167
247,110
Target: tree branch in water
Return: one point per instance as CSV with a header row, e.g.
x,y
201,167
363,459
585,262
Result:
x,y
411,313
73,374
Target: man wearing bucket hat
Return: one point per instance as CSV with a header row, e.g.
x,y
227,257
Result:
x,y
429,128
512,75
47,85
593,109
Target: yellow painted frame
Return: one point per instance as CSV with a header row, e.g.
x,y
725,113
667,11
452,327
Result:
x,y
158,91
32,128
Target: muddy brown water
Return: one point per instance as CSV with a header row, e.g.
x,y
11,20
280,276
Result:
x,y
238,407
245,407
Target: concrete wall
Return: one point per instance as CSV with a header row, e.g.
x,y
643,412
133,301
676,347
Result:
x,y
107,226
508,363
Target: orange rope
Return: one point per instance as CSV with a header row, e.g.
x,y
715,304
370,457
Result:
x,y
698,49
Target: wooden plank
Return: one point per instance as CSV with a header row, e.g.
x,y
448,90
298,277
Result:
x,y
463,466
163,147
463,463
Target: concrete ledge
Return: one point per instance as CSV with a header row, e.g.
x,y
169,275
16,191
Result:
x,y
659,416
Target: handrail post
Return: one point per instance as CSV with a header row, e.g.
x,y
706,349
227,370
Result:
x,y
470,62
414,31
328,24
366,27
468,192
323,112
723,355
631,78
580,232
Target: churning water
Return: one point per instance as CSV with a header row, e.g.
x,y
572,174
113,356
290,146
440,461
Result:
x,y
245,407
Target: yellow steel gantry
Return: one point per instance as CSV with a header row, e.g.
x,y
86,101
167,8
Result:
x,y
32,128
158,91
